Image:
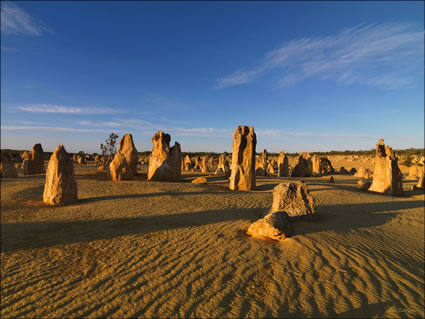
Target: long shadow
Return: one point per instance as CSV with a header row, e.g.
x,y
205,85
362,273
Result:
x,y
344,218
378,310
265,187
29,235
146,195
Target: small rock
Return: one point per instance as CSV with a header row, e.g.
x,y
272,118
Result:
x,y
276,225
199,180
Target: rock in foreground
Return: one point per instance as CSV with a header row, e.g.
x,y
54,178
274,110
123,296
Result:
x,y
60,187
276,225
295,199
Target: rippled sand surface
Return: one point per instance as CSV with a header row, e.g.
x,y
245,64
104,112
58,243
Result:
x,y
152,249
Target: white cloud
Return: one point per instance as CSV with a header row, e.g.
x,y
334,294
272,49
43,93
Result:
x,y
374,55
56,129
16,20
62,109
298,134
200,132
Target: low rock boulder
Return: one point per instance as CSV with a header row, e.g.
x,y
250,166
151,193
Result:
x,y
277,225
331,180
364,173
199,180
295,199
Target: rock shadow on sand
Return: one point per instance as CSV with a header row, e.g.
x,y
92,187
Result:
x,y
345,218
30,235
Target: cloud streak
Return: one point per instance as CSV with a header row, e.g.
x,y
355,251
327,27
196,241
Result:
x,y
382,56
55,129
15,20
295,134
62,109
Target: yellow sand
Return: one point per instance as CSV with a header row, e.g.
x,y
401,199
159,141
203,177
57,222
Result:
x,y
153,249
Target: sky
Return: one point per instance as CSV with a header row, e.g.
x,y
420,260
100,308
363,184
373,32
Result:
x,y
309,76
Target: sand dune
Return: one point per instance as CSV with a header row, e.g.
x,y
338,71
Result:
x,y
149,249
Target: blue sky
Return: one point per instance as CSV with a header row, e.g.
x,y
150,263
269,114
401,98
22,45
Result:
x,y
309,76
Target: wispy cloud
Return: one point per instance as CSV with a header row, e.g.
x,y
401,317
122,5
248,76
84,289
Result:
x,y
55,129
16,20
120,123
374,55
149,128
301,134
62,109
201,132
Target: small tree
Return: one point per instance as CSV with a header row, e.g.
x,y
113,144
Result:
x,y
110,148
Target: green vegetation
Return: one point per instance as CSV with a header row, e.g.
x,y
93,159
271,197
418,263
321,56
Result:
x,y
110,147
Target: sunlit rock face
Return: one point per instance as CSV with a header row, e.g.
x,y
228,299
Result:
x,y
387,177
164,161
126,147
60,187
243,159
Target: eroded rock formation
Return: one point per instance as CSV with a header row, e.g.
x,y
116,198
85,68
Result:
x,y
282,165
119,170
164,161
60,187
387,177
303,167
126,147
295,199
7,168
243,159
276,225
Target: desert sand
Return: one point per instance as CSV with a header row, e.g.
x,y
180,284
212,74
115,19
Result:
x,y
176,249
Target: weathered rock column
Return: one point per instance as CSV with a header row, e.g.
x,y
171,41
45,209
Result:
x,y
7,168
303,167
36,160
315,161
282,165
60,187
243,159
126,147
204,168
387,177
164,162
